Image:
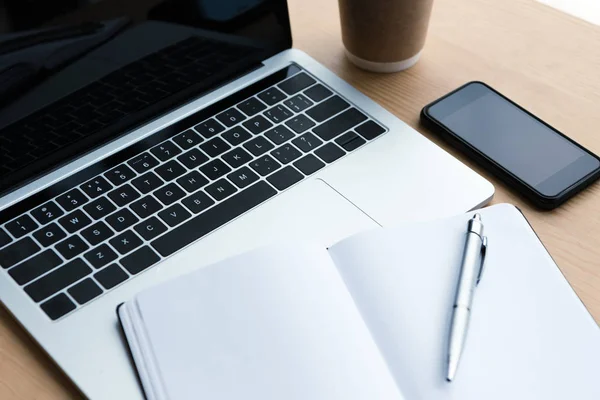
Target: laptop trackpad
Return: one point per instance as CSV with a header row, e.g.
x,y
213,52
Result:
x,y
311,211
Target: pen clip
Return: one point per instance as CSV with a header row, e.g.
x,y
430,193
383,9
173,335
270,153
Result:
x,y
484,244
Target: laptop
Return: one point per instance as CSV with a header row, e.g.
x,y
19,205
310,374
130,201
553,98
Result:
x,y
140,140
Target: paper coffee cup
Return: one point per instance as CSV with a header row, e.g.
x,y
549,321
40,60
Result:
x,y
384,35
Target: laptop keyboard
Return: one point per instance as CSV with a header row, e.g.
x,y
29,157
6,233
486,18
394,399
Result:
x,y
82,237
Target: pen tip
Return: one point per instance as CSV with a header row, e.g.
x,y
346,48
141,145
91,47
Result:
x,y
477,217
452,367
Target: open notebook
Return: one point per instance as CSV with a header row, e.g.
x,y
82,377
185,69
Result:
x,y
368,318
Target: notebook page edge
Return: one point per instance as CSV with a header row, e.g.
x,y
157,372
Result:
x,y
130,324
551,258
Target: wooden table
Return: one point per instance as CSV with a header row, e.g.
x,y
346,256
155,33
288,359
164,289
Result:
x,y
543,59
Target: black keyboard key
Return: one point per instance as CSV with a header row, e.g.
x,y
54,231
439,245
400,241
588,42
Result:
x,y
193,158
237,157
309,164
318,92
329,152
237,135
285,178
58,306
230,117
35,267
286,154
170,170
150,228
119,175
174,215
257,124
272,96
126,242
121,219
21,226
251,106
298,103
124,195
111,276
100,256
49,234
192,181
17,252
209,128
300,123
188,139
71,200
258,146
4,238
265,165
278,113
370,130
213,218
198,202
165,151
146,206
339,124
147,182
243,177
143,163
140,260
215,169
99,208
96,187
330,107
307,142
296,83
221,189
350,141
46,213
58,279
169,194
97,233
71,247
279,134
85,291
75,221
215,147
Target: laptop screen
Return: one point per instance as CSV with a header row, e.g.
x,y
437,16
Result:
x,y
75,74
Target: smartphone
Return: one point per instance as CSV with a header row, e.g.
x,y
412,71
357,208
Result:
x,y
528,154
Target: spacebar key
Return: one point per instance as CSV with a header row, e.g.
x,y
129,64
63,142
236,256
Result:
x,y
213,218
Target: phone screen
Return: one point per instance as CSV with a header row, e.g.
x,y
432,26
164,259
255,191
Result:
x,y
529,149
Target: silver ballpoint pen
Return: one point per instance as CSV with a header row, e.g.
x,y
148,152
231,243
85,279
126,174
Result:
x,y
470,274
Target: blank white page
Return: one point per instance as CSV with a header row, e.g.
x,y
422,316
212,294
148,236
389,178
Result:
x,y
276,323
530,336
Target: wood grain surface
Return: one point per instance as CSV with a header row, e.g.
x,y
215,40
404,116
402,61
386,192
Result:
x,y
545,60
